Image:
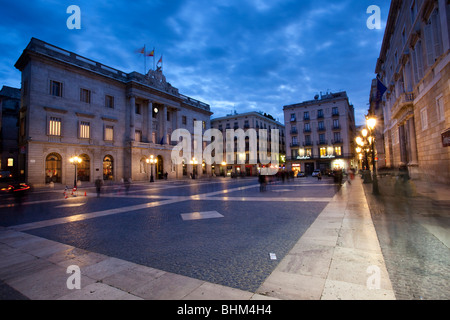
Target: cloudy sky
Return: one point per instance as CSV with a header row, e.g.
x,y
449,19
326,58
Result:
x,y
243,55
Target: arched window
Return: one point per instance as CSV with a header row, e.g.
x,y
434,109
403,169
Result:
x,y
84,168
53,168
108,168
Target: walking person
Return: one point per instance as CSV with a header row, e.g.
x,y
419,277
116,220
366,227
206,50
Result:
x,y
98,186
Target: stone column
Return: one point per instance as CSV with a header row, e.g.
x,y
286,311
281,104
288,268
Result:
x,y
150,121
164,124
132,117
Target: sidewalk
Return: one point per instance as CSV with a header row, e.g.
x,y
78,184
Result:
x,y
338,257
414,235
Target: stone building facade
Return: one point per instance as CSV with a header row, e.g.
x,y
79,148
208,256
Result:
x,y
9,131
246,121
114,121
320,134
414,66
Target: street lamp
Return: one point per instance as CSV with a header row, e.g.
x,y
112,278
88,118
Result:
x,y
152,160
371,123
75,161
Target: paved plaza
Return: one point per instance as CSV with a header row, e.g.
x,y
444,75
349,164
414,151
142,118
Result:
x,y
218,239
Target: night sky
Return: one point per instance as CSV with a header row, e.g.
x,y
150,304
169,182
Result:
x,y
246,55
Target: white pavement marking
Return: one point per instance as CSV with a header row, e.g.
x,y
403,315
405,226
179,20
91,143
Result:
x,y
201,215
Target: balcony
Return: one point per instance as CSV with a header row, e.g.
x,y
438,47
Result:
x,y
404,101
295,145
293,119
294,131
338,127
307,130
321,129
322,143
307,144
335,114
337,141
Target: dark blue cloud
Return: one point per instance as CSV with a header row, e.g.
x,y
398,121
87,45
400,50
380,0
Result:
x,y
248,55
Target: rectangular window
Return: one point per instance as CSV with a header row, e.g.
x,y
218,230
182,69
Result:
x,y
184,120
109,133
84,130
337,137
321,125
440,108
109,102
306,115
293,117
54,126
10,162
56,88
138,108
336,124
322,139
424,118
138,135
335,111
307,127
320,114
85,95
338,151
323,152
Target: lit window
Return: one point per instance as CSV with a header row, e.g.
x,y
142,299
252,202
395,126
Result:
x,y
323,152
10,162
54,126
338,151
109,133
85,130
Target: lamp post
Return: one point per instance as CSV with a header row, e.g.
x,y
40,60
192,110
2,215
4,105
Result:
x,y
75,161
152,160
371,123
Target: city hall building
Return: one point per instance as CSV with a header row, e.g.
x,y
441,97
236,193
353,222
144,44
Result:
x,y
114,121
320,134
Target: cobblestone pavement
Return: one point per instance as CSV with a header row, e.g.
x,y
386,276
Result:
x,y
414,233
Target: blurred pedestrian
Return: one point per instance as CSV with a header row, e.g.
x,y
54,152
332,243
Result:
x,y
98,186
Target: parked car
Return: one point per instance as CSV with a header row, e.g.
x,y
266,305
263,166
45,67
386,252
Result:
x,y
316,173
301,174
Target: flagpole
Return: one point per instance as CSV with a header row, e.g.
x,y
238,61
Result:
x,y
154,68
145,60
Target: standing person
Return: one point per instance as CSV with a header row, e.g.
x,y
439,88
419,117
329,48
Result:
x,y
319,176
127,184
98,186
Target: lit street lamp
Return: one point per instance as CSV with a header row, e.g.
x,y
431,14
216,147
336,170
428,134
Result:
x,y
152,160
75,161
371,123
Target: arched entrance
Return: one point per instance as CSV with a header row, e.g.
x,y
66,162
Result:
x,y
84,169
53,172
108,168
160,168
